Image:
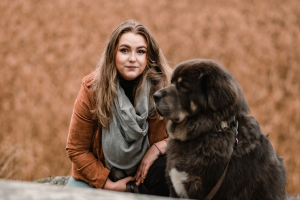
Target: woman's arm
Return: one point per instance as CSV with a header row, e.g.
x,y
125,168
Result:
x,y
79,142
79,146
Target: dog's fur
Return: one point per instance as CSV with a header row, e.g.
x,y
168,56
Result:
x,y
201,95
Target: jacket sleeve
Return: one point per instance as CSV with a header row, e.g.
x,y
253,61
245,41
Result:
x,y
79,142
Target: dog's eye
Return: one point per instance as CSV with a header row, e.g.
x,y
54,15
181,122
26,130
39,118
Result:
x,y
182,87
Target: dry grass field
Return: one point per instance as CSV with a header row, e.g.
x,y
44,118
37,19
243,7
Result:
x,y
46,47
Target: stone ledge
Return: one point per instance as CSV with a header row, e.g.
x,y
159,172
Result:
x,y
18,190
58,180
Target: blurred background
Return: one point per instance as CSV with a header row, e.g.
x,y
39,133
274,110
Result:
x,y
47,47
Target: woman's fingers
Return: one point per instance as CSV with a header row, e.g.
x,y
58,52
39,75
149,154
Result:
x,y
121,184
126,180
145,172
129,178
139,172
146,169
138,182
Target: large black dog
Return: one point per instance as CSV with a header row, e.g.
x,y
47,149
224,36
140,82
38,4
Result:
x,y
212,136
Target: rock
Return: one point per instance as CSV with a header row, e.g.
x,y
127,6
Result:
x,y
58,180
17,190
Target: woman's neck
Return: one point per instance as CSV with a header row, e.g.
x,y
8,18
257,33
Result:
x,y
129,87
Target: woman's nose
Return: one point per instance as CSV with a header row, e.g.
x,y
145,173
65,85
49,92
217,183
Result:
x,y
132,57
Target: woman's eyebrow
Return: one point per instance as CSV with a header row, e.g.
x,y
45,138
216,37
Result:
x,y
124,45
127,46
144,47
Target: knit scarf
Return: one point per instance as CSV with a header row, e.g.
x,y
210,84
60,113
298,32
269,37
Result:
x,y
126,141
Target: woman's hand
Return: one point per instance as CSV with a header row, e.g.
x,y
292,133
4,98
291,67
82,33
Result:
x,y
119,185
148,159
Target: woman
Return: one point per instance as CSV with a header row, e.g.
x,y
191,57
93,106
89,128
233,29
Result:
x,y
115,127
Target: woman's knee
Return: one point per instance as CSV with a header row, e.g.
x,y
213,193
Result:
x,y
74,183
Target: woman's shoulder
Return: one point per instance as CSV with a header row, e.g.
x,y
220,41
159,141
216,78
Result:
x,y
86,93
89,79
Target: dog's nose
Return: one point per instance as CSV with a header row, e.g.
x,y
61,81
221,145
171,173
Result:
x,y
157,96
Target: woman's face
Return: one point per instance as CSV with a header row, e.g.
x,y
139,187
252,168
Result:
x,y
131,55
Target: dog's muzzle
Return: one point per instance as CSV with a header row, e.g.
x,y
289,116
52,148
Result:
x,y
157,96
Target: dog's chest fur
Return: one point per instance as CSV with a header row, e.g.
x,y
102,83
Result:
x,y
195,166
178,180
189,162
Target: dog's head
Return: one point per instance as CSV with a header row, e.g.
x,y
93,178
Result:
x,y
201,94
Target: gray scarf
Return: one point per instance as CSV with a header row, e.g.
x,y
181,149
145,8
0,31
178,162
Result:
x,y
126,141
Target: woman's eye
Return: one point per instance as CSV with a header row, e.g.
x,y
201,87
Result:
x,y
141,52
124,50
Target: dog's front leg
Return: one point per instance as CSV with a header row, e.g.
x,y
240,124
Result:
x,y
173,193
171,188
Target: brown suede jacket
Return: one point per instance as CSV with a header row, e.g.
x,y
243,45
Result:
x,y
84,145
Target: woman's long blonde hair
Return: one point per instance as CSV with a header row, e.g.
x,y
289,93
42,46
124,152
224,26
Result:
x,y
104,86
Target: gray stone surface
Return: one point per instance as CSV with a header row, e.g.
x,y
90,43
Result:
x,y
17,190
58,180
52,189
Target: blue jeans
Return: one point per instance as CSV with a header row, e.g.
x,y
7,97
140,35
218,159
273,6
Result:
x,y
74,183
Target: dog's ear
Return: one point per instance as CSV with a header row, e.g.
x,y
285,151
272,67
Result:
x,y
222,92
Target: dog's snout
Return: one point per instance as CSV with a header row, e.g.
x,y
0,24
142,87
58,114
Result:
x,y
157,96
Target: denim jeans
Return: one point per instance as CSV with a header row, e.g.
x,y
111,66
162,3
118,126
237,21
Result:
x,y
74,183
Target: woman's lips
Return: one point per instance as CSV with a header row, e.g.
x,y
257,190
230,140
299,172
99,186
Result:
x,y
131,67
